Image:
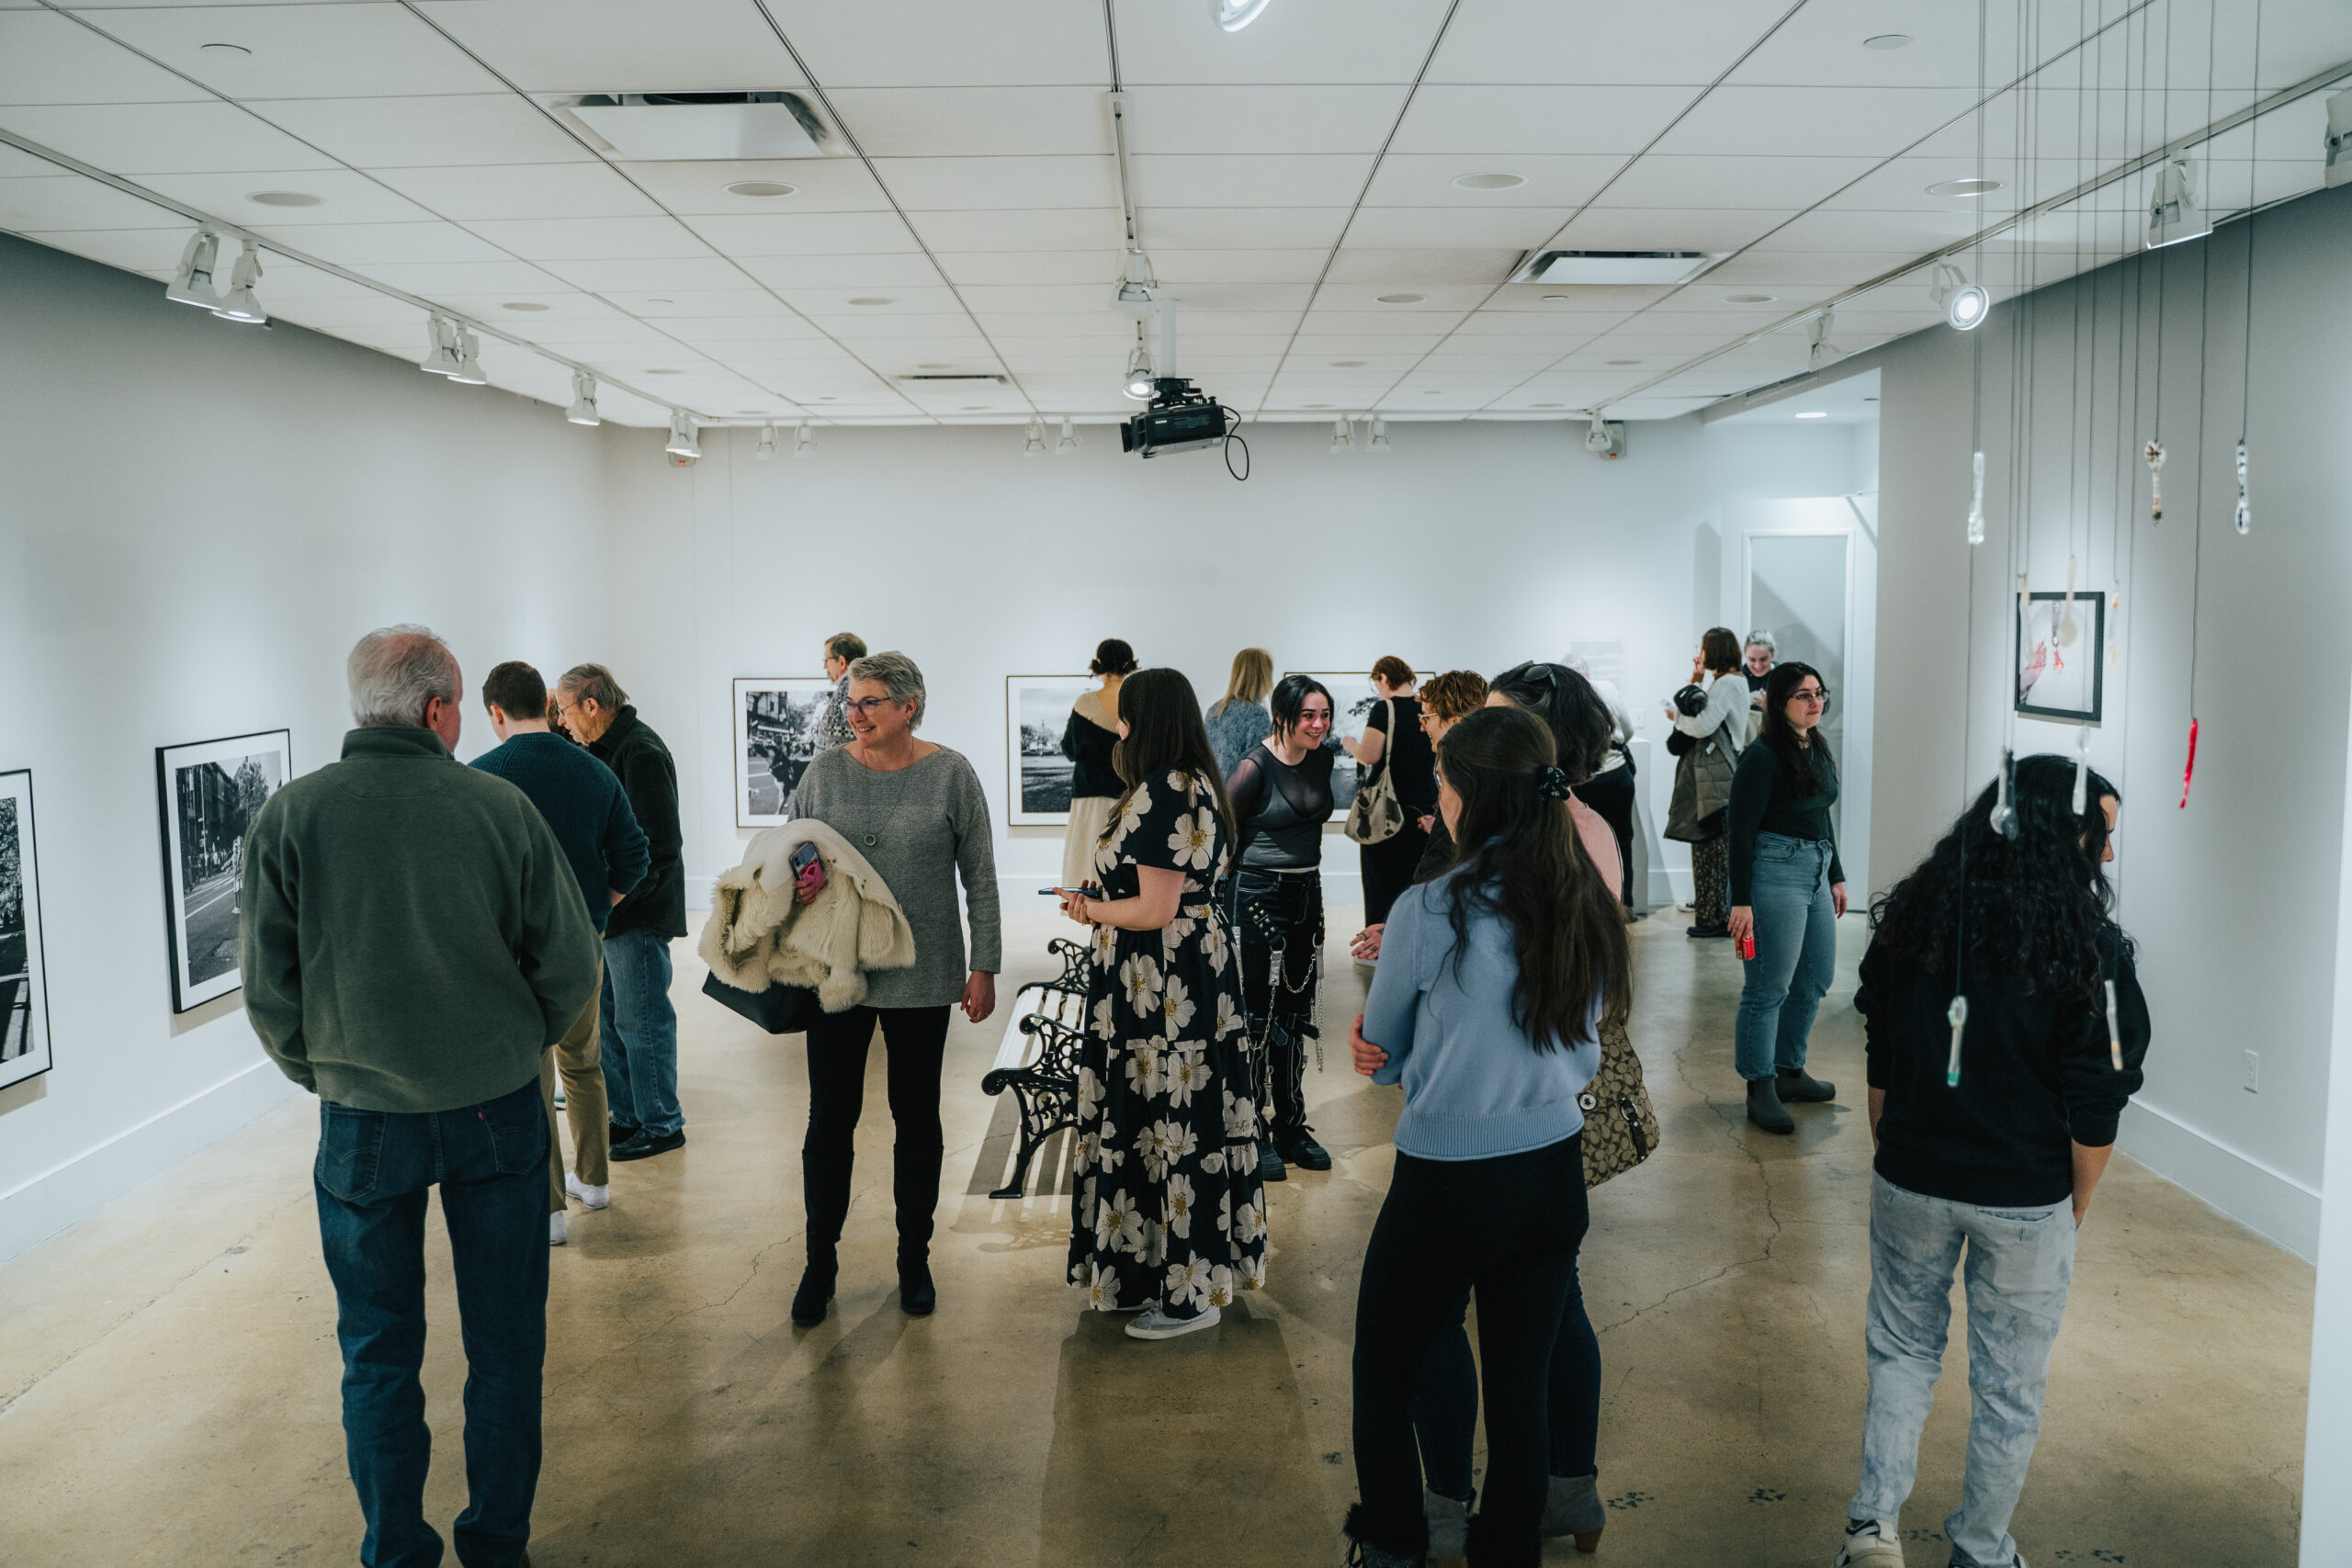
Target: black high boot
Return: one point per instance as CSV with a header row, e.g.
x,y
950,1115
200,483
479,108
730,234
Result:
x,y
914,1188
1764,1107
824,1185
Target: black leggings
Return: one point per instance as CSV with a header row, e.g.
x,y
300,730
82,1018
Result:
x,y
1445,1408
1285,910
1508,1229
916,1039
1388,867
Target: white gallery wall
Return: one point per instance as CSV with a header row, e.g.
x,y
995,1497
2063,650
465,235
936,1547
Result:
x,y
1470,545
196,520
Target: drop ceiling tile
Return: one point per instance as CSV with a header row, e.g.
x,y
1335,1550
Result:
x,y
858,274
1294,41
1228,298
935,300
587,340
1824,269
348,311
718,332
1437,228
606,46
1329,179
567,311
1176,268
962,185
1651,229
1450,299
1427,181
162,138
806,233
1485,369
1574,300
1416,269
1068,229
1907,233
1261,324
1542,41
46,57
1099,268
616,278
58,202
344,198
1165,121
1822,46
361,244
517,279
591,239
970,122
344,50
1012,347
852,329
1239,228
1522,327
1537,121
1683,181
912,43
1813,121
420,132
1084,299
689,304
522,190
699,187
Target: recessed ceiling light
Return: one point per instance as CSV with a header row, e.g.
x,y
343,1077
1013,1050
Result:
x,y
1558,299
871,299
1489,182
1347,364
1749,298
761,188
935,364
824,400
1814,413
283,199
1620,362
524,305
1887,40
1963,187
1547,405
660,301
226,48
1402,299
665,372
976,408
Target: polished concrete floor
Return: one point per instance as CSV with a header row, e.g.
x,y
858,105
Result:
x,y
168,1369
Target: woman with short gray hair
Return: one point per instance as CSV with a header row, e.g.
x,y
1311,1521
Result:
x,y
917,812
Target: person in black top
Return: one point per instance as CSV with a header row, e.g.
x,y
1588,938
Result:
x,y
1393,740
2006,1033
1787,890
1281,796
1087,742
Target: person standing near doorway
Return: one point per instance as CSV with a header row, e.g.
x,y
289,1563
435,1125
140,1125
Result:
x,y
1088,737
1721,724
1756,656
638,1024
832,723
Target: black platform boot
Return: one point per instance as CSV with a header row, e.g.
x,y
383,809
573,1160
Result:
x,y
914,1190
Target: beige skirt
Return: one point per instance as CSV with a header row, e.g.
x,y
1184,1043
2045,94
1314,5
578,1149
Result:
x,y
1089,815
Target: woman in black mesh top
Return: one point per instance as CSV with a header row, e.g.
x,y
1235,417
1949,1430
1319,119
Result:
x,y
1281,796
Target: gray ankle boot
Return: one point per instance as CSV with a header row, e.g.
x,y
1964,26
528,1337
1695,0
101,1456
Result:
x,y
1449,1527
1572,1506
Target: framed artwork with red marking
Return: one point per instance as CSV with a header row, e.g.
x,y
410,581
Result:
x,y
2062,655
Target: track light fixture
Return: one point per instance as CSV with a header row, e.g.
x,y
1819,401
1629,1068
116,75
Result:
x,y
1068,445
468,372
584,399
192,283
1033,443
681,437
1343,440
1824,352
803,440
1964,304
1235,15
766,448
238,304
1378,446
441,346
1140,382
2172,214
2339,140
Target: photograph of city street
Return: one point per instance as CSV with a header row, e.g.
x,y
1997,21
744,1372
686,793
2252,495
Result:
x,y
24,1009
211,792
1036,707
775,738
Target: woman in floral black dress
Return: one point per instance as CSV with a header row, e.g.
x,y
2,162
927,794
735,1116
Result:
x,y
1170,1216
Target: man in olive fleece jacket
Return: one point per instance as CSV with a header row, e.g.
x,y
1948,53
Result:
x,y
413,938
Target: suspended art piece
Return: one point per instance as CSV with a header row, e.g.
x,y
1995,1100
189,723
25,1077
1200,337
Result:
x,y
2004,819
1977,502
2114,1030
1957,1016
2155,456
2066,617
2082,771
2245,513
2188,775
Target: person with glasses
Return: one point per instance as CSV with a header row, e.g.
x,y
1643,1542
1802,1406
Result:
x,y
1787,891
1281,796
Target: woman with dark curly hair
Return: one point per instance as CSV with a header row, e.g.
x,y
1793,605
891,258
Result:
x,y
2006,1033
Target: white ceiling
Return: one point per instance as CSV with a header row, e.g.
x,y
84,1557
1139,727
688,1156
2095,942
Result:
x,y
1286,178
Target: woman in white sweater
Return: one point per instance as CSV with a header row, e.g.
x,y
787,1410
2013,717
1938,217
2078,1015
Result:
x,y
1724,721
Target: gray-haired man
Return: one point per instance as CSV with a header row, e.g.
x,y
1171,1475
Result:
x,y
412,939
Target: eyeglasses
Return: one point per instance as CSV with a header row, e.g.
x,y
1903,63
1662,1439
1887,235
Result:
x,y
867,704
1817,698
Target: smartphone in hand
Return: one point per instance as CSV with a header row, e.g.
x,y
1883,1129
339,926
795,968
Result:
x,y
807,870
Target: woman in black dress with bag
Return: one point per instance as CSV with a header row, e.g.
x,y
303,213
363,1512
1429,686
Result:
x,y
1394,748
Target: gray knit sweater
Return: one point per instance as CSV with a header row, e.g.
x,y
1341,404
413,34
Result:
x,y
918,827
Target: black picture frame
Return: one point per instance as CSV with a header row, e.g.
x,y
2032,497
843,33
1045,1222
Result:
x,y
27,1043
2038,615
202,818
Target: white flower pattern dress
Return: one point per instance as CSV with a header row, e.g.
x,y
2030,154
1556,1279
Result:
x,y
1168,1205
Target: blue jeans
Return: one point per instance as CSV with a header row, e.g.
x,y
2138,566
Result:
x,y
640,1033
2019,1263
373,1171
1796,955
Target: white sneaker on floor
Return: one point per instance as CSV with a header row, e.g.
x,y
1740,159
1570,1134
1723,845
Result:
x,y
1870,1543
559,1229
558,1097
595,1197
1153,1323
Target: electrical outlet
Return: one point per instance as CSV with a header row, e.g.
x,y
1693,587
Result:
x,y
2253,1073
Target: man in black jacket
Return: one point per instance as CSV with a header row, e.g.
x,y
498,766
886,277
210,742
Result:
x,y
639,1025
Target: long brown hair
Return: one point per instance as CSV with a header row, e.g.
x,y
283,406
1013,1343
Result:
x,y
1798,774
1529,866
1165,734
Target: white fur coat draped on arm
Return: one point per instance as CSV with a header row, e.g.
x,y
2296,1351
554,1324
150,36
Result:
x,y
759,935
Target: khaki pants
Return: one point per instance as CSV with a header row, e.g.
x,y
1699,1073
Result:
x,y
580,1061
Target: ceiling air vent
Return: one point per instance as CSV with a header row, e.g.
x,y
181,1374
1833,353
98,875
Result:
x,y
956,379
1651,267
657,126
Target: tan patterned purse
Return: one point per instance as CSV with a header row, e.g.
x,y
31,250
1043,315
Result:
x,y
1619,1127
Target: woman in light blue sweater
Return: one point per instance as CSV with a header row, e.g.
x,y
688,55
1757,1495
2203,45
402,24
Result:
x,y
1495,982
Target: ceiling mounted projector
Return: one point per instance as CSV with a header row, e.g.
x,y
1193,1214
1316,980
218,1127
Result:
x,y
1180,419
1651,267
669,127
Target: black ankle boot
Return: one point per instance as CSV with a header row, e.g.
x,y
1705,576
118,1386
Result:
x,y
1796,1089
917,1295
811,1302
1764,1107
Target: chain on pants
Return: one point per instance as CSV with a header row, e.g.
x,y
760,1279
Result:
x,y
1278,924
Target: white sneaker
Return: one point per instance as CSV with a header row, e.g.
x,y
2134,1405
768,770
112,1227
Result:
x,y
1153,1323
558,1097
1870,1543
559,1229
595,1197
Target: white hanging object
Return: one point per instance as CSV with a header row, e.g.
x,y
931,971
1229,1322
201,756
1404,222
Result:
x,y
2025,594
1957,1016
2114,1030
2065,629
2083,772
2004,819
2155,456
2244,512
1977,502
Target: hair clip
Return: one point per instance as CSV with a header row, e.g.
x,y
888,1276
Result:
x,y
1553,784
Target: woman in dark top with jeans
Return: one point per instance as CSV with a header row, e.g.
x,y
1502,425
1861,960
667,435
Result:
x,y
1281,796
1405,752
1787,890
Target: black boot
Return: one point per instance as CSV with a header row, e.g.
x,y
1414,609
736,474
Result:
x,y
811,1302
918,1297
1300,1150
1796,1089
824,1186
1363,1553
1764,1107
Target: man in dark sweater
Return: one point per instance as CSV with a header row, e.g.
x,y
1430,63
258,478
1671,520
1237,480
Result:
x,y
586,807
639,1025
412,940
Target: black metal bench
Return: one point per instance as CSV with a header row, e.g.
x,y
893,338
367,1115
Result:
x,y
1039,1060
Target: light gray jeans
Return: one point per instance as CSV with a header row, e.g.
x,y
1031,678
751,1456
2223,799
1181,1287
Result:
x,y
2019,1262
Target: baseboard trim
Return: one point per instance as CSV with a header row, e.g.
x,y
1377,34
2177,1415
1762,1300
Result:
x,y
71,1191
2269,1202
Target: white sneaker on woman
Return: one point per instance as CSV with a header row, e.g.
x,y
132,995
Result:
x,y
1154,1323
559,1229
595,1197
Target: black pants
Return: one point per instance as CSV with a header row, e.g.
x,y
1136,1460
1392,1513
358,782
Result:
x,y
1508,1229
916,1039
1610,795
1388,868
1445,1408
1280,912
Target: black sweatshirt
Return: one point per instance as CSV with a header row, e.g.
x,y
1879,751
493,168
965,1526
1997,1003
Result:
x,y
2035,1077
1761,802
642,763
1088,747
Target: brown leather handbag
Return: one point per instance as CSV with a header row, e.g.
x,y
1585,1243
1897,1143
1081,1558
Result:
x,y
1619,1127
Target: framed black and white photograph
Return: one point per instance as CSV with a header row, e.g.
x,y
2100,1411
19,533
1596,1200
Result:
x,y
24,990
2062,655
775,739
209,792
1036,707
1353,700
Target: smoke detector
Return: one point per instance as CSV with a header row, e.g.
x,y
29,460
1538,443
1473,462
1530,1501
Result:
x,y
670,127
1651,267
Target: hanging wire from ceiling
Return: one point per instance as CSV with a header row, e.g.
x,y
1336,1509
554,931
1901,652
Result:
x,y
2243,514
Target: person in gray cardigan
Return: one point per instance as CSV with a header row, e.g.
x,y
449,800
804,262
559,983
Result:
x,y
917,812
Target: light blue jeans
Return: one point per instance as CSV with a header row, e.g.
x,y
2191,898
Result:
x,y
640,1033
2019,1263
1796,955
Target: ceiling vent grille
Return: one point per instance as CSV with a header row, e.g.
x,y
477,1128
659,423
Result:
x,y
1651,267
671,126
961,378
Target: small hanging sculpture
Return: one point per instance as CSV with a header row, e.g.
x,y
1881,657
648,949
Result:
x,y
2025,595
2155,481
2065,629
1976,503
2114,639
1957,1016
2004,819
2083,772
2114,1030
2188,775
2244,512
